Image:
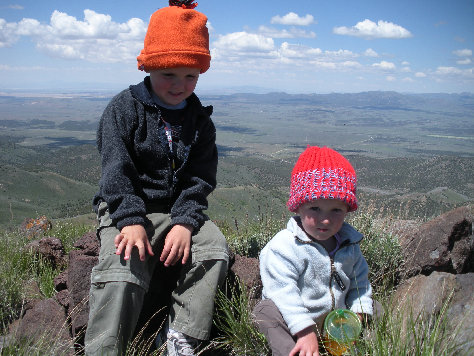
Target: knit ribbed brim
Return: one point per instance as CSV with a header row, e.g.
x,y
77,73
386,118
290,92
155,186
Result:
x,y
322,173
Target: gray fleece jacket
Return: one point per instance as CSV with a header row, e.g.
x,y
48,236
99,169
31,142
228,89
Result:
x,y
137,173
306,284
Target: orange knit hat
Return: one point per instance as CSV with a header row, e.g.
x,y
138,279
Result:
x,y
322,173
177,36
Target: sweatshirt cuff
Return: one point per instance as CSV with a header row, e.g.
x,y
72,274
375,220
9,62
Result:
x,y
186,220
132,220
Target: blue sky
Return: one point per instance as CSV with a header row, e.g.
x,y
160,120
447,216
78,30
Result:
x,y
305,46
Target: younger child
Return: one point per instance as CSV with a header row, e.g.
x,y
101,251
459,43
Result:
x,y
315,265
159,163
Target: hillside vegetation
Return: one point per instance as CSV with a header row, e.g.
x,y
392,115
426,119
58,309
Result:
x,y
413,153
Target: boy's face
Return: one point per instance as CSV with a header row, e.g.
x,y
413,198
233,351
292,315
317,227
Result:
x,y
322,218
174,85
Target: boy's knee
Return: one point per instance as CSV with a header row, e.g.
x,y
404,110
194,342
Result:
x,y
210,244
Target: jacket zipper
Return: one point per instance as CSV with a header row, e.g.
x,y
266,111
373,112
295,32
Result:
x,y
333,270
334,275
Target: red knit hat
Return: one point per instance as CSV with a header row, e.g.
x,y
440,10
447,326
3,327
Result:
x,y
177,36
322,173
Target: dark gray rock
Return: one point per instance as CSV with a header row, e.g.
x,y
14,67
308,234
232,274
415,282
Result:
x,y
444,244
428,295
247,271
78,282
44,322
50,248
88,244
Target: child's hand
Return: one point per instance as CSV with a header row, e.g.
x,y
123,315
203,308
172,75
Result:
x,y
177,245
133,236
306,344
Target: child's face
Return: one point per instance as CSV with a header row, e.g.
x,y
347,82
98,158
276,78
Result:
x,y
322,218
174,85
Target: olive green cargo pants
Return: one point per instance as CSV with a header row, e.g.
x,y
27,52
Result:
x,y
118,287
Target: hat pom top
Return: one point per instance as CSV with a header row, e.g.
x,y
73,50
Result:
x,y
185,4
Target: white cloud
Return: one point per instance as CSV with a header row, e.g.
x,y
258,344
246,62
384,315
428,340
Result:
x,y
252,51
407,80
340,53
244,42
291,33
16,7
390,78
453,71
8,33
370,30
351,64
420,75
293,19
297,51
30,27
406,69
97,38
464,61
463,52
384,65
324,64
369,52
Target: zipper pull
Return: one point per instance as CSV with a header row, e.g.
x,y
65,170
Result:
x,y
338,280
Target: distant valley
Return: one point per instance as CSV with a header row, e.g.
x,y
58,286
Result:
x,y
413,152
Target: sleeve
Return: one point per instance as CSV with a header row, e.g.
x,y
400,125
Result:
x,y
359,296
280,275
119,181
197,180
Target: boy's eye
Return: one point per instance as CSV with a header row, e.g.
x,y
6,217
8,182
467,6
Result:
x,y
314,208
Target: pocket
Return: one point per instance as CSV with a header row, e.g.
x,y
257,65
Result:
x,y
103,215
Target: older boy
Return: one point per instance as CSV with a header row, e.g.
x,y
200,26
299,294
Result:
x,y
159,162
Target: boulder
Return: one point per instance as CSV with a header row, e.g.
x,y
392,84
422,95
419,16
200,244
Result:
x,y
78,283
426,296
247,271
88,244
444,244
34,227
81,262
50,248
44,322
60,282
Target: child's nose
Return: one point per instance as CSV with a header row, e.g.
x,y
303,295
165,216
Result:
x,y
178,82
325,219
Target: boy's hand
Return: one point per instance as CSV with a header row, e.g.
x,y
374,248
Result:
x,y
306,344
133,236
177,245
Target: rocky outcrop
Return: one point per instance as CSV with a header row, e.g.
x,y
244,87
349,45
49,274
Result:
x,y
246,270
441,293
444,244
36,227
439,274
438,277
81,262
45,321
49,248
